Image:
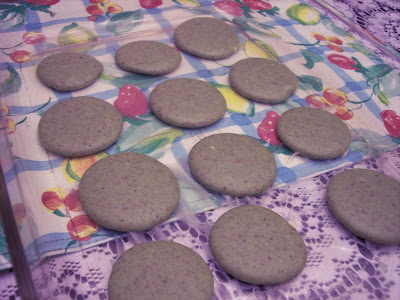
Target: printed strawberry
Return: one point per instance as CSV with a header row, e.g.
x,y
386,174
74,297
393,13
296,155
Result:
x,y
391,120
131,101
267,128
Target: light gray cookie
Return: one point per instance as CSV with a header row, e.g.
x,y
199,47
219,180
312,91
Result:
x,y
232,164
313,133
256,245
262,80
207,38
160,270
69,71
148,57
129,192
367,203
187,103
79,126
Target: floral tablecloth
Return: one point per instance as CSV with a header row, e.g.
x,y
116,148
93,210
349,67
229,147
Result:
x,y
335,73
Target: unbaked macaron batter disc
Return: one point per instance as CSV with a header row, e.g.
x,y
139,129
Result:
x,y
148,57
160,270
367,203
207,38
129,192
262,80
256,245
313,133
69,71
79,126
187,103
232,164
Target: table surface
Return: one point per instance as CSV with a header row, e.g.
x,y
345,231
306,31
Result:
x,y
69,278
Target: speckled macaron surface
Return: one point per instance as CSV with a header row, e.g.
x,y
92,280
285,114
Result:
x,y
160,270
232,164
367,203
206,38
69,71
313,133
72,127
148,57
188,103
257,246
262,80
129,192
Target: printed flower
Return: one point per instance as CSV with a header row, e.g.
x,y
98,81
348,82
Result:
x,y
53,200
343,112
72,201
33,38
230,7
81,228
343,61
317,101
335,96
335,40
42,2
334,47
391,120
113,8
11,126
4,109
257,4
19,211
267,128
101,7
131,101
20,56
73,168
150,3
318,36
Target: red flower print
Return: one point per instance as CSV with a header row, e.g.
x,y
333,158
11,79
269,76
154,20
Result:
x,y
229,7
335,96
72,201
391,120
42,2
131,101
20,56
81,228
317,101
52,199
19,211
267,128
343,112
334,47
33,38
318,36
150,3
343,61
335,40
257,4
11,126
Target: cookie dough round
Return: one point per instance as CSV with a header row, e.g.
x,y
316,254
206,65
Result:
x,y
313,133
262,80
69,71
367,203
207,38
129,192
148,57
160,270
232,164
257,246
79,126
187,103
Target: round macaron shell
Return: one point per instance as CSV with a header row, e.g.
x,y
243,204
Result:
x,y
79,126
160,270
367,203
207,38
187,103
257,246
232,164
148,57
69,71
129,192
262,80
313,133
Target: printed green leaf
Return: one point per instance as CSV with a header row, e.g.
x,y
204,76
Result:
x,y
381,94
333,27
247,25
362,49
12,16
59,213
12,84
137,80
390,83
311,58
307,82
70,172
124,21
376,71
71,243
